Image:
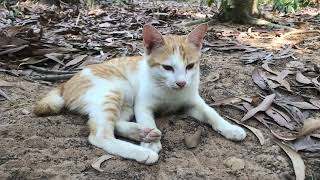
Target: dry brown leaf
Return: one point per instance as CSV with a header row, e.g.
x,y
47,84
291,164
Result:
x,y
266,67
279,117
76,60
306,144
315,102
302,105
309,126
280,79
298,164
54,57
302,79
257,77
265,105
97,163
286,138
315,135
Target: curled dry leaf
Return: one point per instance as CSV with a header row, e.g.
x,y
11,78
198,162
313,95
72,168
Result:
x,y
265,105
192,140
302,79
97,163
266,67
298,164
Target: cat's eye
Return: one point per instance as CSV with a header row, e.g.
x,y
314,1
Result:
x,y
190,66
167,67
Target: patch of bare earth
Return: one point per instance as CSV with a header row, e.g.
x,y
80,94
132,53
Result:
x,y
36,147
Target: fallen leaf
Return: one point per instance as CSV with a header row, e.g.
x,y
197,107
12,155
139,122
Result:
x,y
302,105
309,126
76,60
298,164
280,79
315,81
54,57
315,102
265,104
97,163
266,67
315,135
286,138
257,78
279,117
302,79
192,140
306,144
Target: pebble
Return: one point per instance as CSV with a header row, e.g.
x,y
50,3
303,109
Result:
x,y
25,112
234,163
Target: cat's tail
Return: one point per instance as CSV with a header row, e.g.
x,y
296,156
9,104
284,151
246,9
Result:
x,y
51,104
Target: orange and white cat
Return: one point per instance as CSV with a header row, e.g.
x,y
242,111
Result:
x,y
164,79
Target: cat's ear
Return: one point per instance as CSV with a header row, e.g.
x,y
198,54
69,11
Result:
x,y
196,36
151,38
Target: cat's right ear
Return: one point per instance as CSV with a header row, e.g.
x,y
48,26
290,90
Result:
x,y
152,38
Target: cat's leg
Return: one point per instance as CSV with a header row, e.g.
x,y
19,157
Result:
x,y
204,113
137,132
102,124
144,116
132,130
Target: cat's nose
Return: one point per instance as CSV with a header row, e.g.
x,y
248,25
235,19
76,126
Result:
x,y
181,84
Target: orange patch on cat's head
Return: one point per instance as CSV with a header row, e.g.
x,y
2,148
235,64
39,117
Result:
x,y
159,48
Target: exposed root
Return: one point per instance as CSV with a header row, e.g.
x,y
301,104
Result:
x,y
262,22
192,23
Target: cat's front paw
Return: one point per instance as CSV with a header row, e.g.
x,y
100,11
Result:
x,y
148,135
233,132
154,146
148,157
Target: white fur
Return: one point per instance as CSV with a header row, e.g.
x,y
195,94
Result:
x,y
145,95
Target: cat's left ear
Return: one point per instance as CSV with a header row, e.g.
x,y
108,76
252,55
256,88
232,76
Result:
x,y
196,36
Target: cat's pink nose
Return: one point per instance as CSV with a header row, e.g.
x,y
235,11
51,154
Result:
x,y
181,84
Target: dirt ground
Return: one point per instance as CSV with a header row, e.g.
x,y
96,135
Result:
x,y
57,147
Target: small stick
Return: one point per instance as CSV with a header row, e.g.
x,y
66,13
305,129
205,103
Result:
x,y
44,70
53,77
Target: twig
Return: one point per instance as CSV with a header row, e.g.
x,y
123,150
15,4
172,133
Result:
x,y
78,18
262,22
52,77
44,70
195,22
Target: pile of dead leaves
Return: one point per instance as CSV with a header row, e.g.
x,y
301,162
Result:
x,y
288,98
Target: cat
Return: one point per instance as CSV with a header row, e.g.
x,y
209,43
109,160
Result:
x,y
165,78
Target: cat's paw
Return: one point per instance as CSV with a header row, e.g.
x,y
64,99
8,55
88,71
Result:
x,y
148,157
234,132
154,146
148,135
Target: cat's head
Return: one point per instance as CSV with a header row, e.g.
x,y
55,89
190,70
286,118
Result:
x,y
173,60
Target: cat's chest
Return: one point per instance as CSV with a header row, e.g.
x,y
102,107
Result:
x,y
172,101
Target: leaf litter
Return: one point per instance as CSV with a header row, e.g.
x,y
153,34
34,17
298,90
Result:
x,y
285,103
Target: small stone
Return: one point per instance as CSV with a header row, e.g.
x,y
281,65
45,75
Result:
x,y
234,163
192,140
25,112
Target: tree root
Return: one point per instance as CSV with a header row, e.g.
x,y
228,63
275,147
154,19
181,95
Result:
x,y
262,22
